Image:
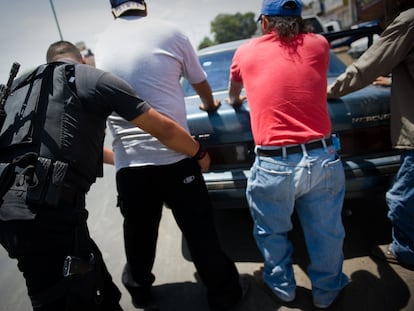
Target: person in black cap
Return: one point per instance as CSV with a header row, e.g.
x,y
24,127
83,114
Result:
x,y
152,55
296,168
60,262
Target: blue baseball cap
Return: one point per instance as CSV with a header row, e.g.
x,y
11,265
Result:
x,y
281,8
121,6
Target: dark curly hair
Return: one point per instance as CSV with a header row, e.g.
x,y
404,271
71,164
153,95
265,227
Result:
x,y
288,27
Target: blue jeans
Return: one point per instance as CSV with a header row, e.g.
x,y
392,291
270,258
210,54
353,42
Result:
x,y
400,200
313,184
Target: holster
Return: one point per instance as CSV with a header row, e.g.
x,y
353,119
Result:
x,y
27,183
46,189
14,206
75,269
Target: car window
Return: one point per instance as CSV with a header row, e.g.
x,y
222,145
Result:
x,y
217,67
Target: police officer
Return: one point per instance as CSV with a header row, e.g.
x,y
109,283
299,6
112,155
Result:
x,y
62,265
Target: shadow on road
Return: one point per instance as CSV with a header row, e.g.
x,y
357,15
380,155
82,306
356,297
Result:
x,y
374,285
190,296
365,223
366,292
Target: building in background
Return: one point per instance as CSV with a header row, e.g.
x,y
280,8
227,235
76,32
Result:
x,y
381,10
351,12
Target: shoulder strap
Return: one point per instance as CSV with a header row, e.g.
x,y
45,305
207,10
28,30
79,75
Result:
x,y
26,112
70,76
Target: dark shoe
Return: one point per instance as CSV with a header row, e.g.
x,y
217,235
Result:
x,y
141,295
384,253
245,285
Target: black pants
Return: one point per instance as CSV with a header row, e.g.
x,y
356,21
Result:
x,y
142,193
41,246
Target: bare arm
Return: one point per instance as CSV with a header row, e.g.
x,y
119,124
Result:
x,y
235,88
108,156
170,134
208,103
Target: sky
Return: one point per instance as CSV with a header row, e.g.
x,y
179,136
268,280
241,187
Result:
x,y
28,27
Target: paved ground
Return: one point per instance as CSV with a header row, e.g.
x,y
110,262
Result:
x,y
375,286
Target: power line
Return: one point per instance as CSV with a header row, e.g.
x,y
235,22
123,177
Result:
x,y
56,19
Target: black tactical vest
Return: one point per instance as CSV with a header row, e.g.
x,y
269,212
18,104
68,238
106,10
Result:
x,y
36,139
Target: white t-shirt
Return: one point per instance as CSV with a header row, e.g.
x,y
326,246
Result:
x,y
152,55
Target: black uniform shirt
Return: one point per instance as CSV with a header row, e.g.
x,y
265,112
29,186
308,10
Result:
x,y
100,94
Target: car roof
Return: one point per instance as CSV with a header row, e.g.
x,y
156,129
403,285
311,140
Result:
x,y
222,47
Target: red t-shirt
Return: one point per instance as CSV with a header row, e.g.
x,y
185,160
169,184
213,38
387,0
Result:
x,y
285,86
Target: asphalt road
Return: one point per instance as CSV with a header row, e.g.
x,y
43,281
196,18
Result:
x,y
374,286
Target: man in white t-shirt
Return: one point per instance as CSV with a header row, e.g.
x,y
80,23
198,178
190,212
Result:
x,y
152,55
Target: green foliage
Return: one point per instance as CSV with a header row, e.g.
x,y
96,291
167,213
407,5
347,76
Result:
x,y
227,27
205,43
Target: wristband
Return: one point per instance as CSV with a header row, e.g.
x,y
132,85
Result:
x,y
201,153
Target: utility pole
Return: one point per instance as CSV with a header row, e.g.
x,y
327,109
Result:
x,y
57,22
353,11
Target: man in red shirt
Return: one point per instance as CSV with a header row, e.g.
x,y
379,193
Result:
x,y
284,74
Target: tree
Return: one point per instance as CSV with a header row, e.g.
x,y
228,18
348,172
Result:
x,y
205,43
227,27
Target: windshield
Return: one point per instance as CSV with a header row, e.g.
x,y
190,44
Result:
x,y
217,67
